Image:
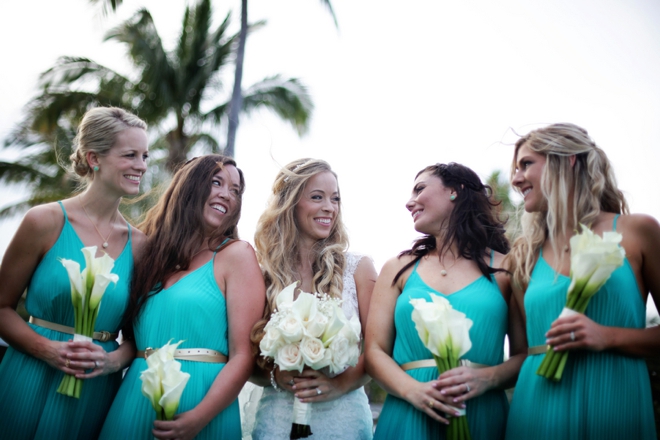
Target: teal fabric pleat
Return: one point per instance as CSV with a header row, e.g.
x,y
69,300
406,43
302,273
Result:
x,y
193,310
483,303
602,395
30,407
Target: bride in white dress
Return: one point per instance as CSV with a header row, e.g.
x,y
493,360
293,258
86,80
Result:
x,y
301,237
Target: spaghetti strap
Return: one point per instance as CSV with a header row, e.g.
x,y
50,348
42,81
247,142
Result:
x,y
66,217
616,217
492,257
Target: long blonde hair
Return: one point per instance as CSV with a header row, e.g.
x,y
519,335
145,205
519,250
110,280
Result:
x,y
277,239
591,180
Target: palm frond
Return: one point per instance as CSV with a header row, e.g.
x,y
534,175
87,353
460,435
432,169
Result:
x,y
289,99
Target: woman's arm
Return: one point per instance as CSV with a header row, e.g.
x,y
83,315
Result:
x,y
641,240
379,341
35,236
354,377
239,277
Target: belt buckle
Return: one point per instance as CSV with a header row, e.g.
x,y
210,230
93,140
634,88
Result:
x,y
148,352
104,336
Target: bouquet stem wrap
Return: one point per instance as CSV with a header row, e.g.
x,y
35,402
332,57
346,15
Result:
x,y
87,290
302,416
593,260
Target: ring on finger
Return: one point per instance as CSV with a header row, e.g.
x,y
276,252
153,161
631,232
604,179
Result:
x,y
96,365
291,382
68,361
467,388
573,336
318,391
430,404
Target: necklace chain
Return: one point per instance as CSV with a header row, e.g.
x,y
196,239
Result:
x,y
112,224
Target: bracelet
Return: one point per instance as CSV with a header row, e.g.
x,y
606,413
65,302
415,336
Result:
x,y
273,382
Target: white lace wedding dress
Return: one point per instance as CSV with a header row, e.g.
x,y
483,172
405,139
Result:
x,y
348,417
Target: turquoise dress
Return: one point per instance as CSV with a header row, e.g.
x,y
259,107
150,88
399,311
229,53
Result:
x,y
193,310
483,303
30,407
602,395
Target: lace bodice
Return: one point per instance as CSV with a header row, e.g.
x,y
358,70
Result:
x,y
349,291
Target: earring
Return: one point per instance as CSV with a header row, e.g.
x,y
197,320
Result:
x,y
452,197
96,168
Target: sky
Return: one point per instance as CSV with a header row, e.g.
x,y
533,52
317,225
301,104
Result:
x,y
399,86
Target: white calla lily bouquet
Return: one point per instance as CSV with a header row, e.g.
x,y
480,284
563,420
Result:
x,y
87,290
310,331
163,381
446,333
593,259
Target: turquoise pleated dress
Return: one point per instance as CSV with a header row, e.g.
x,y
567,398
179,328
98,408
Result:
x,y
602,395
30,407
193,310
483,303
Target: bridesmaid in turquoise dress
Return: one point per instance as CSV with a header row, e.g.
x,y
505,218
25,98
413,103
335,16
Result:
x,y
460,258
199,285
110,155
604,392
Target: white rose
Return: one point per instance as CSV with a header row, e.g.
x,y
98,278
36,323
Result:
x,y
289,358
291,328
313,353
340,349
271,342
316,326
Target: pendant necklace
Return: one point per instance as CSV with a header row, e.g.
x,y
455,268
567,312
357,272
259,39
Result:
x,y
178,267
112,225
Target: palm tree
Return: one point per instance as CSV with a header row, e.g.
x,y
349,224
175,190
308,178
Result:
x,y
237,93
507,209
173,91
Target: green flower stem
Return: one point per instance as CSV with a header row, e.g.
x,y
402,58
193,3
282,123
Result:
x,y
560,368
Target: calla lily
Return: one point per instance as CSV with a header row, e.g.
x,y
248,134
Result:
x,y
445,332
152,390
174,381
593,260
286,295
87,289
335,324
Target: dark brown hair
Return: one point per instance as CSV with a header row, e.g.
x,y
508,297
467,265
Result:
x,y
174,229
473,224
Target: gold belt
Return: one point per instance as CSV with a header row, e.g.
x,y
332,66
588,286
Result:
x,y
102,336
537,349
190,354
425,363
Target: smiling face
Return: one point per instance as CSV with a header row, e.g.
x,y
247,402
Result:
x,y
223,199
317,210
121,169
529,169
430,203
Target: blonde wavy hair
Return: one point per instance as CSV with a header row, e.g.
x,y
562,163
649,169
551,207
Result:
x,y
277,239
591,180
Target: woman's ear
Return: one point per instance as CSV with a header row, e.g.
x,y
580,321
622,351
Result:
x,y
572,158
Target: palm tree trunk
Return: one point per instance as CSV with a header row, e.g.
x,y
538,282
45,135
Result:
x,y
177,142
237,97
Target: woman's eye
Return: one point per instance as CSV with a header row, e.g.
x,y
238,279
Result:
x,y
215,182
336,199
316,197
145,157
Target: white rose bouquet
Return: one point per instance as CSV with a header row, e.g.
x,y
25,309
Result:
x,y
446,333
163,381
593,259
87,290
310,331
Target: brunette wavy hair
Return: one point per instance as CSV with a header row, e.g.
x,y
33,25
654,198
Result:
x,y
174,229
473,226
